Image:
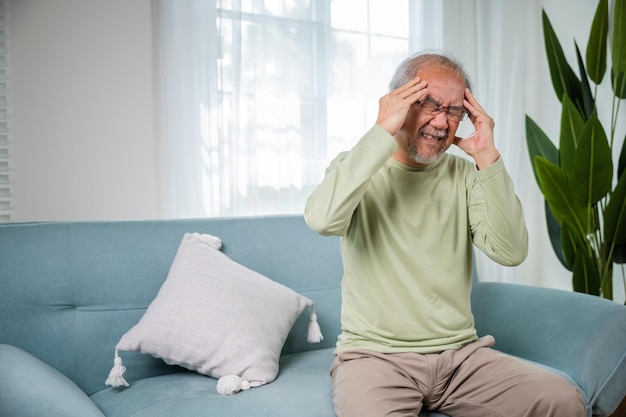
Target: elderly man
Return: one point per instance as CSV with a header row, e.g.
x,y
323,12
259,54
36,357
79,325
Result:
x,y
408,214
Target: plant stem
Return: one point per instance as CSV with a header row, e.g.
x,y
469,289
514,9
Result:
x,y
614,112
607,282
624,280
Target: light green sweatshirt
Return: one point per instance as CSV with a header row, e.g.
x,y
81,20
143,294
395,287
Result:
x,y
406,243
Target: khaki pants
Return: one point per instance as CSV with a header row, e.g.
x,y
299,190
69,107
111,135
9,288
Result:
x,y
474,381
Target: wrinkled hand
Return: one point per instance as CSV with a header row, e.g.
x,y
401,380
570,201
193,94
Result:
x,y
394,106
480,144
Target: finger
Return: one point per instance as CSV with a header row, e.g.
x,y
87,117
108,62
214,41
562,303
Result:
x,y
477,114
471,111
472,104
411,88
407,86
470,97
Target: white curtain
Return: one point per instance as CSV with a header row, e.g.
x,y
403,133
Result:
x,y
500,43
258,95
184,32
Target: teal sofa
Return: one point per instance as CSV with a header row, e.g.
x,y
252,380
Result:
x,y
70,290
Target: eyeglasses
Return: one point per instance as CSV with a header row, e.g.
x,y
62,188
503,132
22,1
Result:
x,y
430,106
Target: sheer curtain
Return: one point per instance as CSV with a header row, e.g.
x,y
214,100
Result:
x,y
502,46
497,41
257,96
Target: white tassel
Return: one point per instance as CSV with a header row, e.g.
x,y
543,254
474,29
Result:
x,y
315,333
232,384
116,376
213,241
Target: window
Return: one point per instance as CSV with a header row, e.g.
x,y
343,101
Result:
x,y
273,90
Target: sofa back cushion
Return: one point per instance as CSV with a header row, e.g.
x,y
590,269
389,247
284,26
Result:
x,y
69,290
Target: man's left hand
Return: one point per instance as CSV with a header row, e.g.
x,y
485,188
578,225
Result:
x,y
480,144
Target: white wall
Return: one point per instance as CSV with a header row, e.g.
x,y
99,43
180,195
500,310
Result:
x,y
82,111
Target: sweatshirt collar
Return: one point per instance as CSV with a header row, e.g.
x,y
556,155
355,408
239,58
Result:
x,y
397,164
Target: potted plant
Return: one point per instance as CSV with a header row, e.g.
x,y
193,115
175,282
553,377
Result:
x,y
583,188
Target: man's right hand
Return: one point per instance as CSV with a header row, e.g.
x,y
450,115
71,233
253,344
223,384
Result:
x,y
394,106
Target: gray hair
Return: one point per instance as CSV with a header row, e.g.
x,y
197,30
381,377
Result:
x,y
409,67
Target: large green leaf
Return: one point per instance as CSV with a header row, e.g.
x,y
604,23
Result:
x,y
621,165
555,234
585,277
557,190
539,144
619,84
596,46
585,89
618,46
615,215
571,125
564,79
570,242
593,164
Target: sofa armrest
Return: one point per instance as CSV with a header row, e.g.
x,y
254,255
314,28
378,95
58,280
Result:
x,y
31,388
581,335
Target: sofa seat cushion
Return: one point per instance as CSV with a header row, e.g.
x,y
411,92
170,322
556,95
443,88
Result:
x,y
303,386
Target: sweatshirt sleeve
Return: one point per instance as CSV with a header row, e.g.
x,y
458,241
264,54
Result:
x,y
329,208
497,218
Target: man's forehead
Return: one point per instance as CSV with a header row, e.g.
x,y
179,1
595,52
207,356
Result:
x,y
446,88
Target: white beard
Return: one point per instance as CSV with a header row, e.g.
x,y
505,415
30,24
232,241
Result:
x,y
424,159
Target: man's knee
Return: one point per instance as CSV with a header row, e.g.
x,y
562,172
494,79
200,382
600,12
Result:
x,y
508,386
552,395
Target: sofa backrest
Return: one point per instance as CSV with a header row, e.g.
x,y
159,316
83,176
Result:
x,y
69,290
